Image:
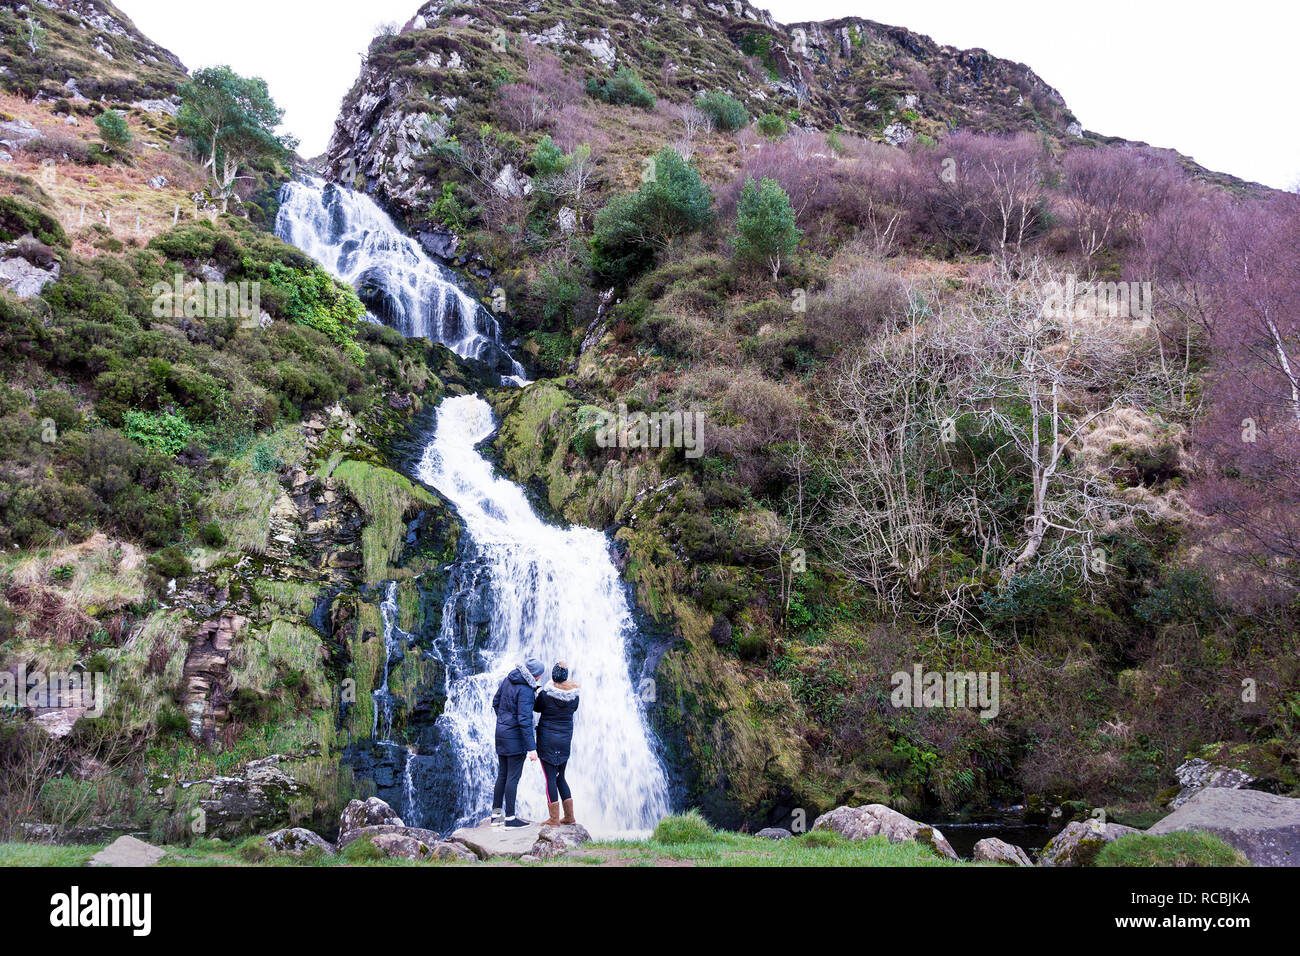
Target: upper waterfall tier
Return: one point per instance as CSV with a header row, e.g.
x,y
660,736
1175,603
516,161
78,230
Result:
x,y
357,242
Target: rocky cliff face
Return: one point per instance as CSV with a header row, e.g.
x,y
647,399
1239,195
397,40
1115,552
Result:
x,y
884,82
82,48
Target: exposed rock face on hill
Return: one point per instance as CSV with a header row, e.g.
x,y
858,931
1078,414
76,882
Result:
x,y
83,49
868,78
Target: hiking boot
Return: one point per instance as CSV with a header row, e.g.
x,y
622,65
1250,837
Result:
x,y
516,822
554,818
568,811
498,818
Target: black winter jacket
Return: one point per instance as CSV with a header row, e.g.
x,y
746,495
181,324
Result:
x,y
513,703
555,729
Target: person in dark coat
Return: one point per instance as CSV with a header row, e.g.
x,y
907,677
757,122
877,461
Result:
x,y
513,703
557,702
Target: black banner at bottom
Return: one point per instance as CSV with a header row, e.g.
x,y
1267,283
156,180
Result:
x,y
148,908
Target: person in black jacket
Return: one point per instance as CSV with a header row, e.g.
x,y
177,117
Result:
x,y
513,703
557,703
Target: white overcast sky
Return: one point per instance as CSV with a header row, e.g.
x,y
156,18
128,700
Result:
x,y
1215,81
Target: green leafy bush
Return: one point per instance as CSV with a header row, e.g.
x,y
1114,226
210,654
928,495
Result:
x,y
18,218
624,88
772,125
724,110
114,131
170,562
765,229
548,159
314,298
632,229
160,431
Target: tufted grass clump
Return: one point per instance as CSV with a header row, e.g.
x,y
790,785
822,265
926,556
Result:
x,y
687,827
1184,848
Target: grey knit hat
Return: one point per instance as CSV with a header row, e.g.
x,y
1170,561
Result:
x,y
535,667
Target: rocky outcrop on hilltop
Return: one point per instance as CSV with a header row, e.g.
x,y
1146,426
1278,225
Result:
x,y
884,82
82,50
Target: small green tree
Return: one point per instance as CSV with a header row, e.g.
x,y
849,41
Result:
x,y
231,120
772,125
765,229
34,36
114,132
548,159
624,88
726,111
631,230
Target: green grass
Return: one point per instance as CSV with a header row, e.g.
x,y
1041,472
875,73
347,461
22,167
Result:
x,y
1170,849
44,854
386,498
723,849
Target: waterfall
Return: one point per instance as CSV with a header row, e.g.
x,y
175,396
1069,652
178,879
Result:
x,y
525,588
357,242
550,592
393,653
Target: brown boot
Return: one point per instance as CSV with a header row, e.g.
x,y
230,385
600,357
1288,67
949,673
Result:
x,y
568,811
555,816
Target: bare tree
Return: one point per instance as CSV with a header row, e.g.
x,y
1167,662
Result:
x,y
1041,382
988,189
887,523
694,122
1109,190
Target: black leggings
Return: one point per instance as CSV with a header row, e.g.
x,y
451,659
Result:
x,y
555,782
509,770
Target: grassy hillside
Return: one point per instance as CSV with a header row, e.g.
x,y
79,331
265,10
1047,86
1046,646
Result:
x,y
799,563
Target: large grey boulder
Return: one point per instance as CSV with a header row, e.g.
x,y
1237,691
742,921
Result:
x,y
388,829
876,819
128,851
1198,774
553,841
488,841
297,841
258,799
370,812
24,279
1263,826
17,133
993,850
1080,842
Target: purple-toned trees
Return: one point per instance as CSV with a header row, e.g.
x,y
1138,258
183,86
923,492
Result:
x,y
1109,190
985,191
1250,438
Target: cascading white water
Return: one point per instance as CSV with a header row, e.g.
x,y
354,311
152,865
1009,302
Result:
x,y
357,242
554,594
393,636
